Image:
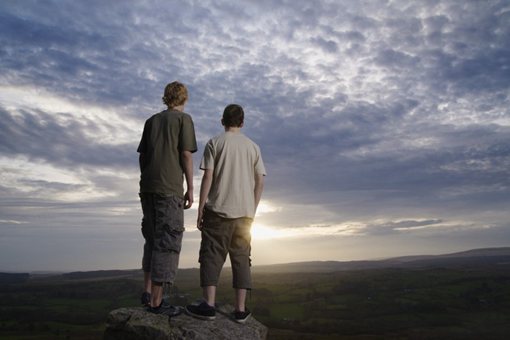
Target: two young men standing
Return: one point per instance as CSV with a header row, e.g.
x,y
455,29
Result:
x,y
230,191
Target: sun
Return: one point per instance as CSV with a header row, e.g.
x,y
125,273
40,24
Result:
x,y
263,232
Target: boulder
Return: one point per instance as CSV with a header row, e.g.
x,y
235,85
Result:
x,y
136,323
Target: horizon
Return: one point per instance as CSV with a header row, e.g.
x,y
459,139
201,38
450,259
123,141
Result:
x,y
49,272
384,126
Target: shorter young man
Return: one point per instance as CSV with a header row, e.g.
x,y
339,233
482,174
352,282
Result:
x,y
230,192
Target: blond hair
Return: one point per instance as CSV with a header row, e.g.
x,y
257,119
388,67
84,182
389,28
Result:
x,y
175,94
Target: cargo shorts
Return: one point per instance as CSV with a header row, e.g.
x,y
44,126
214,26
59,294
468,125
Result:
x,y
221,236
162,229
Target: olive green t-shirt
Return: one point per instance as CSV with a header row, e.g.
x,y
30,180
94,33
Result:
x,y
235,160
165,136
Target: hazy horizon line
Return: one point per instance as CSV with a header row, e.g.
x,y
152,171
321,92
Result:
x,y
55,272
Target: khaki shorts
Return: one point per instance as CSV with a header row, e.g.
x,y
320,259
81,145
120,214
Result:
x,y
162,229
221,236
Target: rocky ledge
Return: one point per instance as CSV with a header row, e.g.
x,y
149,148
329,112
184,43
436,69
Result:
x,y
137,323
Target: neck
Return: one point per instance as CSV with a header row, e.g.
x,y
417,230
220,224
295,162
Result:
x,y
177,108
232,129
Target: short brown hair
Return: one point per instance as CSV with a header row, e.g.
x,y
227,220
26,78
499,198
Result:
x,y
175,94
233,116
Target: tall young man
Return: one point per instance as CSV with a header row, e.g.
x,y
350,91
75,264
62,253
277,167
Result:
x,y
166,148
230,192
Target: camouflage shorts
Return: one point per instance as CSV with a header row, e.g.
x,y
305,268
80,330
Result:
x,y
162,229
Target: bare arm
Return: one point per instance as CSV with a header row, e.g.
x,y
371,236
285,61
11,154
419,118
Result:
x,y
259,187
205,187
187,163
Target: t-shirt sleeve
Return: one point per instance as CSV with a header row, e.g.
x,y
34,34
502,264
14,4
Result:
x,y
208,158
259,164
187,141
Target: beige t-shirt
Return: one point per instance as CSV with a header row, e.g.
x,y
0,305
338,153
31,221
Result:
x,y
235,160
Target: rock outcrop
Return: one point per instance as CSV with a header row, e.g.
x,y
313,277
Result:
x,y
137,323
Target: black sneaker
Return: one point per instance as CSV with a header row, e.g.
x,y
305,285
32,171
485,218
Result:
x,y
241,317
165,309
202,311
146,299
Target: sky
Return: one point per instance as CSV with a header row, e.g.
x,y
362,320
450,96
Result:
x,y
384,126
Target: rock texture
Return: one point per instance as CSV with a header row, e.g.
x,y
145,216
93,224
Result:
x,y
136,323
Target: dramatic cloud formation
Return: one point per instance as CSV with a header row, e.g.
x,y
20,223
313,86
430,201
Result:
x,y
384,125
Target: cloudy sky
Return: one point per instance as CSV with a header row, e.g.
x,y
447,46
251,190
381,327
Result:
x,y
384,125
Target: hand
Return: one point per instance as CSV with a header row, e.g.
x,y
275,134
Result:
x,y
200,218
188,199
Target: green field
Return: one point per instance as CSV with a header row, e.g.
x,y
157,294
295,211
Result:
x,y
470,303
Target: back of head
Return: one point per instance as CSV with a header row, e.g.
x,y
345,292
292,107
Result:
x,y
233,116
175,94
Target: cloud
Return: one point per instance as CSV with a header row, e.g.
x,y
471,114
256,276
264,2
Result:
x,y
366,112
384,228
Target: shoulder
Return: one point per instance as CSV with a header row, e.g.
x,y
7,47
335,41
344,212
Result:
x,y
184,116
216,139
250,142
186,120
154,118
210,147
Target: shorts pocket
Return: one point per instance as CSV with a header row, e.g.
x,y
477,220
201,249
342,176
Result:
x,y
169,223
171,240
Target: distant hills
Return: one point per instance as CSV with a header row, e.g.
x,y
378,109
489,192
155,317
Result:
x,y
465,259
461,260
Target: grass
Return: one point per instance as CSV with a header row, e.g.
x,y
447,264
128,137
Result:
x,y
365,304
289,311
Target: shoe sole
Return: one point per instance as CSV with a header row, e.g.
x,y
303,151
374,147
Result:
x,y
242,320
198,316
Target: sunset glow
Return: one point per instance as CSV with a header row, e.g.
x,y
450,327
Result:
x,y
262,232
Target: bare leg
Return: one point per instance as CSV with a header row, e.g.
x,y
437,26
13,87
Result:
x,y
156,294
147,281
209,293
240,299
